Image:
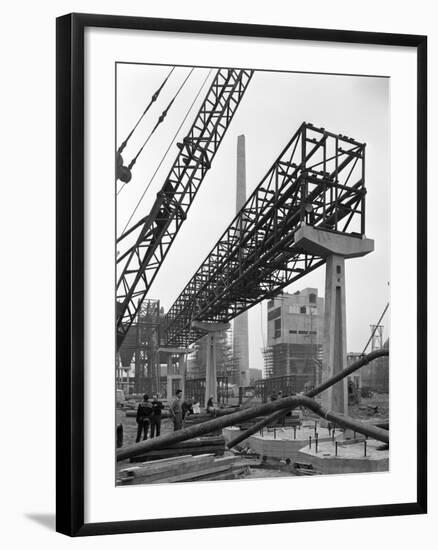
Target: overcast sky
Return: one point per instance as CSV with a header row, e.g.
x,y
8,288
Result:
x,y
273,107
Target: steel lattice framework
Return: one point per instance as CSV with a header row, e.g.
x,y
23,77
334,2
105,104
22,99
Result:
x,y
153,235
318,179
141,343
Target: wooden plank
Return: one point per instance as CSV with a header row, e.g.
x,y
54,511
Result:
x,y
152,456
169,459
224,468
161,461
162,469
231,460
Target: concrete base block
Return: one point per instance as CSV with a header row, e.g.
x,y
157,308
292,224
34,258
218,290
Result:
x,y
350,458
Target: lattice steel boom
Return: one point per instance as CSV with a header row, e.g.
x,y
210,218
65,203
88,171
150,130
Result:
x,y
151,237
318,179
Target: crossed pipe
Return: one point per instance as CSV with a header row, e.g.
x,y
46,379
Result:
x,y
274,410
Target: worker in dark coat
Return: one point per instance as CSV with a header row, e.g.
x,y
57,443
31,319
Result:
x,y
187,407
157,407
210,404
144,413
176,412
123,172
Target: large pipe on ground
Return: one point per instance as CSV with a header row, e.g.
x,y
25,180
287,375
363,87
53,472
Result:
x,y
279,407
228,420
312,393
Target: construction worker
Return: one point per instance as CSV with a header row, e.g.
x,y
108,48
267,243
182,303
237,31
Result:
x,y
210,404
144,413
157,407
123,172
176,412
187,407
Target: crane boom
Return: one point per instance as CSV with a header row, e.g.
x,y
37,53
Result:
x,y
154,234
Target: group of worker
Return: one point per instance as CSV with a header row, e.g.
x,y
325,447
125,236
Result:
x,y
149,413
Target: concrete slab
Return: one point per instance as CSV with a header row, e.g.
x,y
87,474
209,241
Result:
x,y
283,443
350,458
325,243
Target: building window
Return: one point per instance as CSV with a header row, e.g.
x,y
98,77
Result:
x,y
277,328
338,269
312,298
292,332
274,313
302,332
271,303
303,309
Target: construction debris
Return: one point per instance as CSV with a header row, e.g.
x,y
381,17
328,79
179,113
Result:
x,y
184,468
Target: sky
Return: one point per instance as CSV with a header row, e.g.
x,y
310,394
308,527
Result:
x,y
273,107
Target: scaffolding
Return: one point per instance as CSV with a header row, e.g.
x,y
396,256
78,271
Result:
x,y
195,389
288,385
302,360
141,346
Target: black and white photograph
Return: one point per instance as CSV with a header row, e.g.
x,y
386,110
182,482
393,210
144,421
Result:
x,y
218,259
252,274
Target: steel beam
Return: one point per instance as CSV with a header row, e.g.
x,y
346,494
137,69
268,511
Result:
x,y
318,179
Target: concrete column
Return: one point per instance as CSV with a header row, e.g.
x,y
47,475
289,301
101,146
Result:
x,y
182,362
157,372
240,323
335,334
174,371
169,365
211,370
334,248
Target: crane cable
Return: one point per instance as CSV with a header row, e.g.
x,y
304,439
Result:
x,y
125,172
152,100
160,120
165,154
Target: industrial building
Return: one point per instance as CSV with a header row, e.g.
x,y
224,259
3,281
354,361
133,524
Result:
x,y
295,337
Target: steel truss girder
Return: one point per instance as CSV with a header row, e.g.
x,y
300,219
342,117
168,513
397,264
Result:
x,y
153,235
318,179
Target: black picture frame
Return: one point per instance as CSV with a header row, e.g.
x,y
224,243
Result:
x,y
70,272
